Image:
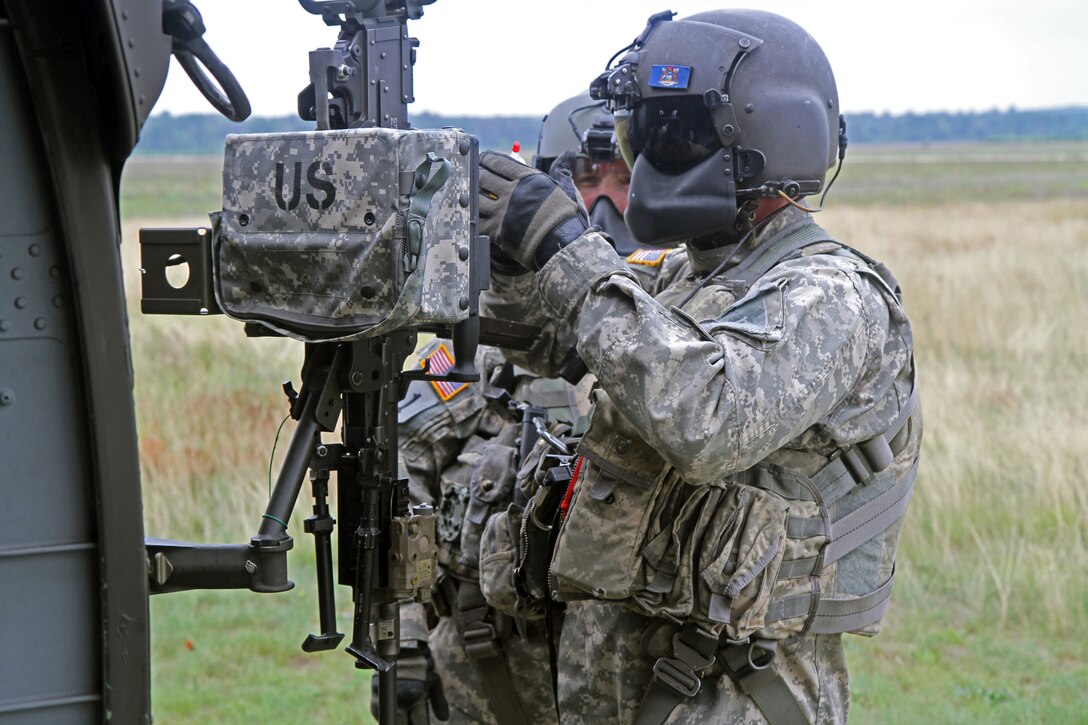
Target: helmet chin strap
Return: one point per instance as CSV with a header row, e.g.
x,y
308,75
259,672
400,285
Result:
x,y
746,219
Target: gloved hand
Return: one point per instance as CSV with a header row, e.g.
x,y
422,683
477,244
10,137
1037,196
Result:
x,y
526,213
417,685
562,170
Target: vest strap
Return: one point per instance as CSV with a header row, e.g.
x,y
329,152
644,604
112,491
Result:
x,y
775,249
481,640
846,615
801,528
865,522
795,568
678,677
751,667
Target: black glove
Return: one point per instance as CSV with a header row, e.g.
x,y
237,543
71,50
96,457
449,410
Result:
x,y
525,212
505,264
417,685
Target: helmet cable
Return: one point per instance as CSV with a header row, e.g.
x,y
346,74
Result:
x,y
843,141
577,110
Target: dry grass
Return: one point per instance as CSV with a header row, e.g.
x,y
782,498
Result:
x,y
997,296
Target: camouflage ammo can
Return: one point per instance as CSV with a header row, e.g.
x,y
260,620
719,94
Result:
x,y
343,234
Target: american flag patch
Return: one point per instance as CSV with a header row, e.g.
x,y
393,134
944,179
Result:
x,y
441,362
649,257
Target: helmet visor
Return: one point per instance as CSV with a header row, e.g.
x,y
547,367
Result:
x,y
674,134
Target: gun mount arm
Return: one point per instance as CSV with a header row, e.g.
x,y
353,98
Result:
x,y
176,566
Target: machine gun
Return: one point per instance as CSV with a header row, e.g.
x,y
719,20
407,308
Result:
x,y
382,246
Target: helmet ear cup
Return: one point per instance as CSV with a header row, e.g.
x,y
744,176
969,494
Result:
x,y
791,129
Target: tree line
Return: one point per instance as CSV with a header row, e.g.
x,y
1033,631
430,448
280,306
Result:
x,y
202,134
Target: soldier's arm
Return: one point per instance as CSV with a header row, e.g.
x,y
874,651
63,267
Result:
x,y
517,298
716,396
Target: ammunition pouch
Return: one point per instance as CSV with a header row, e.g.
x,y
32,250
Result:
x,y
491,487
345,234
517,545
540,527
500,549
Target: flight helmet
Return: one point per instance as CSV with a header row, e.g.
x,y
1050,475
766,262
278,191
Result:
x,y
716,110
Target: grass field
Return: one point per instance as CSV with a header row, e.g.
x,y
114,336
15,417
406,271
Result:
x,y
990,618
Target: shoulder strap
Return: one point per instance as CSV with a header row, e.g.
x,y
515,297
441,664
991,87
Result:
x,y
879,270
779,247
484,648
776,248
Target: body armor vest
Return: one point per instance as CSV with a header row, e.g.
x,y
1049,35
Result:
x,y
798,543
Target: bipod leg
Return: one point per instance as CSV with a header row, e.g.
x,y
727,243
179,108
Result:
x,y
321,525
390,648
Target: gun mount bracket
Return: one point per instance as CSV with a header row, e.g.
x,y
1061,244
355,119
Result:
x,y
165,257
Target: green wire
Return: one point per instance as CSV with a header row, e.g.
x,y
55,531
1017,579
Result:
x,y
270,516
272,455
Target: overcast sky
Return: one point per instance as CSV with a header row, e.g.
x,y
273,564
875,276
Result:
x,y
515,57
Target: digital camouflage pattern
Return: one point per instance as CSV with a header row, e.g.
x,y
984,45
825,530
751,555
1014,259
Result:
x,y
607,653
815,356
457,455
446,448
312,238
526,658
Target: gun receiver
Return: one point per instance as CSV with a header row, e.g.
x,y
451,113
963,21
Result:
x,y
366,78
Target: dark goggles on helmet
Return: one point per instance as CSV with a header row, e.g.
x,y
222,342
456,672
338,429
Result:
x,y
599,142
673,134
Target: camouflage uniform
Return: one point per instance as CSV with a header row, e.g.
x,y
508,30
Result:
x,y
816,355
442,444
454,451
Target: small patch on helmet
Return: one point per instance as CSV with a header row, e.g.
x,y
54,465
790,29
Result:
x,y
648,257
670,76
440,362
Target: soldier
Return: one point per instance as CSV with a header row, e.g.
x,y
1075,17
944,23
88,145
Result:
x,y
754,436
461,454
